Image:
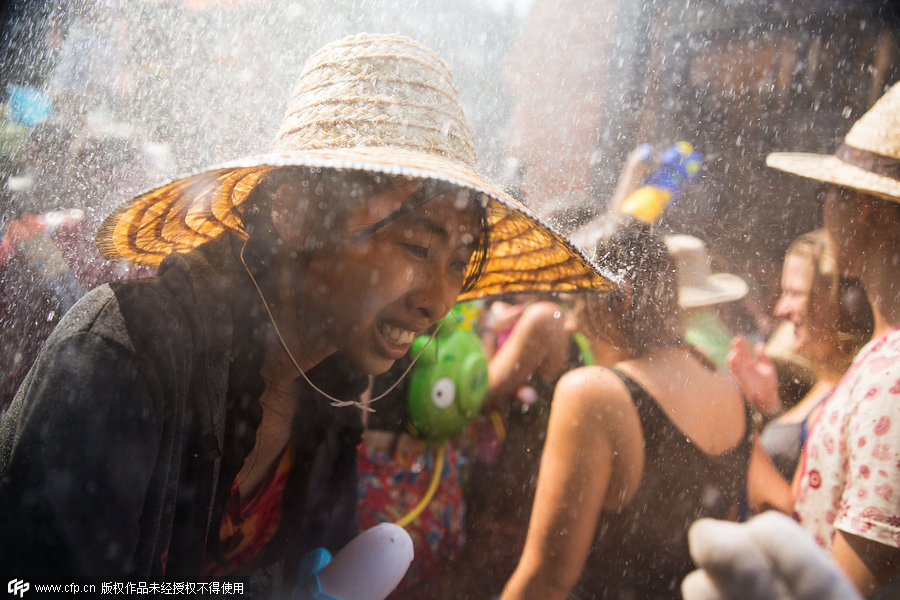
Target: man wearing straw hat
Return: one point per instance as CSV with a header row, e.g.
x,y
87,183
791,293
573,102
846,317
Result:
x,y
848,483
202,423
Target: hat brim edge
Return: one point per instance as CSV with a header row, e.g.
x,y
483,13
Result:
x,y
830,169
368,160
719,288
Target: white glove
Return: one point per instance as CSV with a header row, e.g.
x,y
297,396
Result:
x,y
770,557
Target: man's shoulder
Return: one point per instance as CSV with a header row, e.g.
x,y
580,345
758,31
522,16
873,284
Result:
x,y
876,370
892,339
882,353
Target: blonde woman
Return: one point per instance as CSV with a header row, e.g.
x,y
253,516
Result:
x,y
832,320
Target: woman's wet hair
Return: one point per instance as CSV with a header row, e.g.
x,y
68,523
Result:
x,y
642,313
244,411
327,196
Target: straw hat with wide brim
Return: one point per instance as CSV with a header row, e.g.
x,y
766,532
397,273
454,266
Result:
x,y
373,103
697,284
869,158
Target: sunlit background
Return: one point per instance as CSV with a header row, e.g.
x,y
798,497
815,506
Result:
x,y
557,93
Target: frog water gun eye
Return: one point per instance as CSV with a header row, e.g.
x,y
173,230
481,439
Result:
x,y
448,385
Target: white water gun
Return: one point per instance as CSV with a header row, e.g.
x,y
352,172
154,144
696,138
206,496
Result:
x,y
368,568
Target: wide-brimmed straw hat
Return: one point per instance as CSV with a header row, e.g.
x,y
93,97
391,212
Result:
x,y
869,158
374,103
697,284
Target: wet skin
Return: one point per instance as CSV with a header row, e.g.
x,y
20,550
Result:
x,y
796,282
371,294
843,207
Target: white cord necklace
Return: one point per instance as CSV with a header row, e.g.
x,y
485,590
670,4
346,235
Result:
x,y
336,402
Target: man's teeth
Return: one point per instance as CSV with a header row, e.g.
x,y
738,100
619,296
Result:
x,y
396,335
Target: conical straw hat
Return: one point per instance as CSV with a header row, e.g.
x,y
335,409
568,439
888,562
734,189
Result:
x,y
374,103
869,158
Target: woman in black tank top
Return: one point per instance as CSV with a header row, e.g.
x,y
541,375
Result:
x,y
636,452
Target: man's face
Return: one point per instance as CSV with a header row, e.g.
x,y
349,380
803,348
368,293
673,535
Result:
x,y
372,294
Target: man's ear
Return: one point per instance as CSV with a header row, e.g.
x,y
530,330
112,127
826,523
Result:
x,y
289,215
868,209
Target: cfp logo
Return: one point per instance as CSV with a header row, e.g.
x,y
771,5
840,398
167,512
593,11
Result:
x,y
17,586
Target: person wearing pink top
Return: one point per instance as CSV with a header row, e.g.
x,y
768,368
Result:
x,y
847,487
848,484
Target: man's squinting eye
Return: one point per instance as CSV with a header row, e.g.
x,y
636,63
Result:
x,y
416,250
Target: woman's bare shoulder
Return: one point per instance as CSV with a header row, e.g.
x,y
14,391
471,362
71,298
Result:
x,y
595,391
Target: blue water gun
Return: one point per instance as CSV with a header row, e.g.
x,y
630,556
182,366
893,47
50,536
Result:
x,y
680,164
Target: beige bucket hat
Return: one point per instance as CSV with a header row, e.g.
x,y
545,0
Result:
x,y
375,103
697,284
869,158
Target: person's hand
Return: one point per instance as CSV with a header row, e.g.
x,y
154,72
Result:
x,y
755,375
770,557
638,165
502,315
23,228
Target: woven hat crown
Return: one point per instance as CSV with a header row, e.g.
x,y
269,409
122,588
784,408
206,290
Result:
x,y
869,158
376,91
380,104
697,284
691,257
878,130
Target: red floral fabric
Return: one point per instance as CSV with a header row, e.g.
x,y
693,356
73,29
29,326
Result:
x,y
392,486
249,524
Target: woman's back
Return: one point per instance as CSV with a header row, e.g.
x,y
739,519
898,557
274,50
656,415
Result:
x,y
702,402
633,454
695,450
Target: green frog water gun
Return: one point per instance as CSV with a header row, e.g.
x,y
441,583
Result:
x,y
448,384
445,390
